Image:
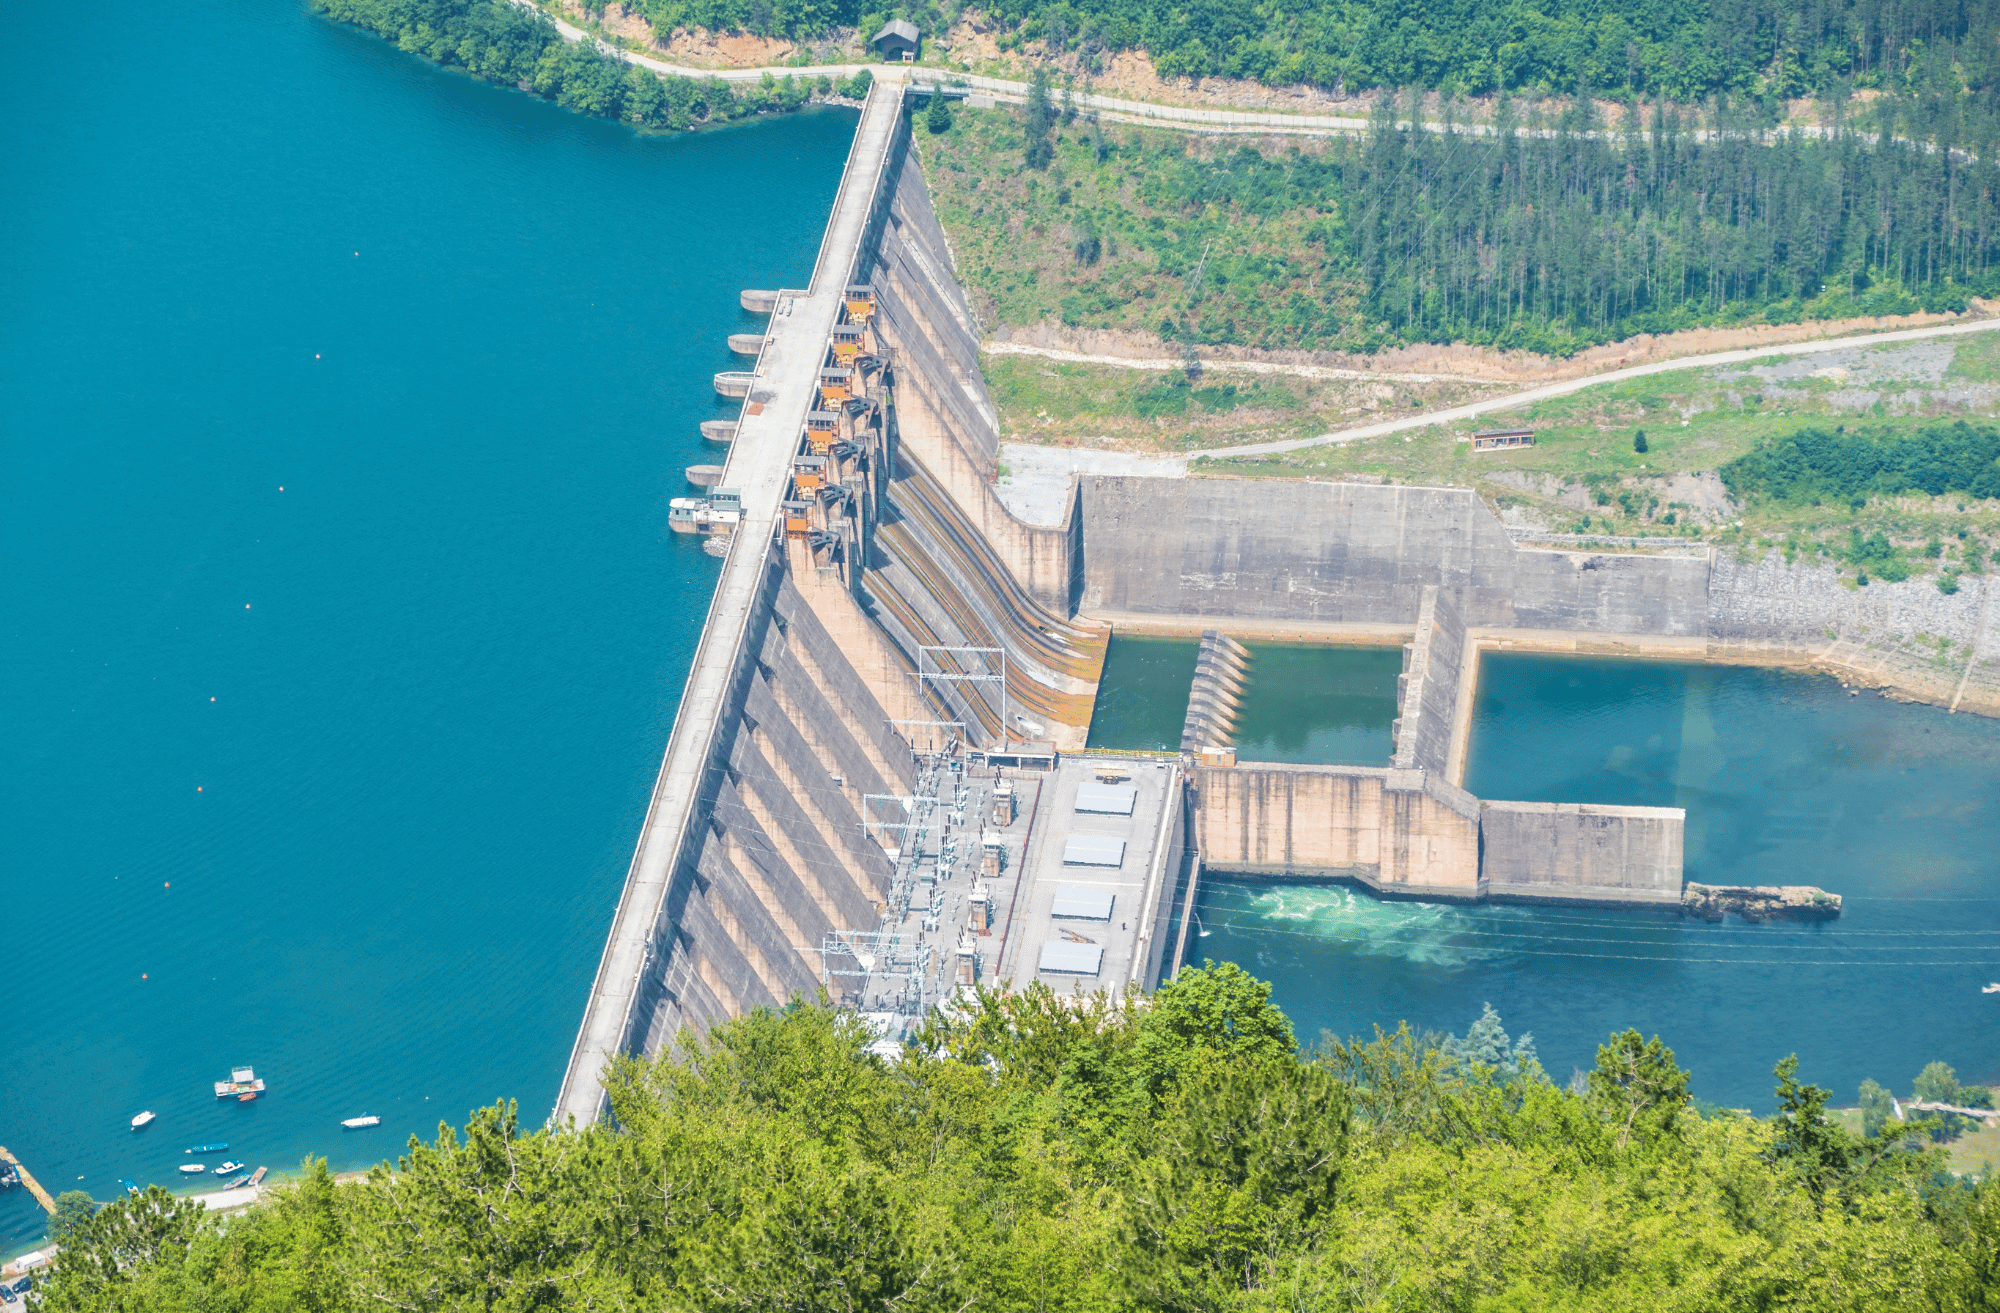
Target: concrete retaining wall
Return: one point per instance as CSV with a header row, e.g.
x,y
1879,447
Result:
x,y
1427,692
1244,554
1399,831
1408,832
1354,553
1582,852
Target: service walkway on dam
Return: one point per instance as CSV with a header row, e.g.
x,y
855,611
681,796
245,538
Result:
x,y
759,464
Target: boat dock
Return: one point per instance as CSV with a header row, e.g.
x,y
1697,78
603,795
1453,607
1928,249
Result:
x,y
34,1186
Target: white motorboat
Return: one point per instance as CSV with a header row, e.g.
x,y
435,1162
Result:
x,y
227,1168
143,1119
192,1169
356,1123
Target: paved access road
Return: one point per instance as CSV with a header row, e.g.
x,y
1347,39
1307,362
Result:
x,y
1567,386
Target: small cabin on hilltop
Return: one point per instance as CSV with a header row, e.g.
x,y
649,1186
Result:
x,y
898,39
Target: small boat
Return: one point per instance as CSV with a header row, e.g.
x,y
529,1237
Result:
x,y
257,1177
356,1123
227,1168
239,1182
247,1096
193,1169
143,1119
1993,988
242,1080
131,1187
217,1147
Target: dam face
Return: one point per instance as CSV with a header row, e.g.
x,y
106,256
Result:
x,y
893,661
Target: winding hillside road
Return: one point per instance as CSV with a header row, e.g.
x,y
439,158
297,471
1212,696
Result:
x,y
1458,413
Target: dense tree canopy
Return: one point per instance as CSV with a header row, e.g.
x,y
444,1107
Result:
x,y
1814,465
501,42
1048,1153
1549,228
1683,49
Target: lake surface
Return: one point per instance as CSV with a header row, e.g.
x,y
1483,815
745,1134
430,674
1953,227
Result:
x,y
1787,779
341,399
1301,702
1322,706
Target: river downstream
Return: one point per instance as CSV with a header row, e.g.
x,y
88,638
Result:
x,y
343,400
1787,779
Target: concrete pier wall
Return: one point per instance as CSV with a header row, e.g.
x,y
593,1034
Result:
x,y
1427,691
1398,831
1582,852
1411,833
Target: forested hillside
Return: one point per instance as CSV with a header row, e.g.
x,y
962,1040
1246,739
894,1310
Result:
x,y
1682,49
500,42
1050,1154
1546,230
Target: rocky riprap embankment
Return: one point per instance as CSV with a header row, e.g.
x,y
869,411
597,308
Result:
x,y
1763,902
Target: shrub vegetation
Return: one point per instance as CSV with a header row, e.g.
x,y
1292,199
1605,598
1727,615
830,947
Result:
x,y
501,42
1046,1153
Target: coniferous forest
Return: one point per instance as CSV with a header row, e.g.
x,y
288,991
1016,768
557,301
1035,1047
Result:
x,y
1548,227
1043,1153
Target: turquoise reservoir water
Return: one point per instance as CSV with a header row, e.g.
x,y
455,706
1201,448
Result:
x,y
387,733
1301,703
1329,706
1143,696
1786,780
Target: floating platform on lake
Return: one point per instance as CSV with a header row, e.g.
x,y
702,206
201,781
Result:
x,y
758,302
1762,902
719,430
242,1081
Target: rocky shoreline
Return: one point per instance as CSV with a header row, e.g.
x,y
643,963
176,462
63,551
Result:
x,y
1763,902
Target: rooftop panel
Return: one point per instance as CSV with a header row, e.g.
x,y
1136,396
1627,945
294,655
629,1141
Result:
x,y
1094,850
1106,799
1089,902
1072,958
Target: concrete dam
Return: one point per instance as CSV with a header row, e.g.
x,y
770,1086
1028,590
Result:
x,y
877,781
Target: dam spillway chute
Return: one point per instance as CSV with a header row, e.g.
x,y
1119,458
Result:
x,y
938,584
